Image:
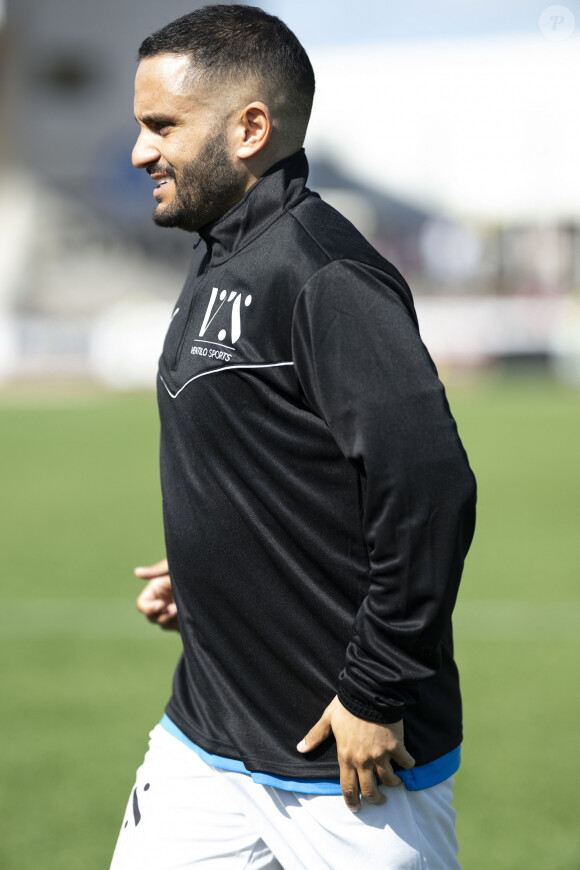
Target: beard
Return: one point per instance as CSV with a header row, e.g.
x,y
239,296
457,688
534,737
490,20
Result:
x,y
205,189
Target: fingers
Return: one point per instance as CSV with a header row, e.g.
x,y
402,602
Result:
x,y
157,590
402,757
149,604
167,619
156,600
157,603
316,735
149,571
368,786
152,606
364,749
353,780
387,775
396,745
167,615
349,787
159,612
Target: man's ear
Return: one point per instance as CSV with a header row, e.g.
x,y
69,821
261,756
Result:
x,y
254,130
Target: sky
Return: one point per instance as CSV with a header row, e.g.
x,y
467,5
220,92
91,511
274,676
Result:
x,y
332,22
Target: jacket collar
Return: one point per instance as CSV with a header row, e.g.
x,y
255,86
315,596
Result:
x,y
272,194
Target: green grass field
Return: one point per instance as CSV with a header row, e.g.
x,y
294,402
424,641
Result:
x,y
83,678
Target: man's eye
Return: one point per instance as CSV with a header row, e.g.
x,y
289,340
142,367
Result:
x,y
162,127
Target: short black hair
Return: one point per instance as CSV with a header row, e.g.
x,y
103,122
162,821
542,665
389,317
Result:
x,y
232,42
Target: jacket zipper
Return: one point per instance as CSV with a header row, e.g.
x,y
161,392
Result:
x,y
195,289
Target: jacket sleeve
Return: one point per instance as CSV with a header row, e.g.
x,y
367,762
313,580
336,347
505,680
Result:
x,y
364,369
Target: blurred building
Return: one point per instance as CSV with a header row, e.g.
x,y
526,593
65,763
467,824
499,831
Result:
x,y
77,236
68,77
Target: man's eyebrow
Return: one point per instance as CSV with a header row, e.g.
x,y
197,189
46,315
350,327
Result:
x,y
154,118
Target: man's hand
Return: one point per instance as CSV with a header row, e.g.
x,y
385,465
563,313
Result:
x,y
156,601
363,748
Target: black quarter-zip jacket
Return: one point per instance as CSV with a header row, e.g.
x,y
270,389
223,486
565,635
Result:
x,y
318,503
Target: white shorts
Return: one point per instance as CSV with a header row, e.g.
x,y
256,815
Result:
x,y
184,813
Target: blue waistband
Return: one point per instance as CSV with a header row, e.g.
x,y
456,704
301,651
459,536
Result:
x,y
420,777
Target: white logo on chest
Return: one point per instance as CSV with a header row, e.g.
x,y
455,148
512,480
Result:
x,y
235,300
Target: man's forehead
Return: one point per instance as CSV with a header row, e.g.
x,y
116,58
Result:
x,y
163,85
165,80
166,72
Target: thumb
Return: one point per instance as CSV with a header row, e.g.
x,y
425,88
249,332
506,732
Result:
x,y
148,572
316,735
404,758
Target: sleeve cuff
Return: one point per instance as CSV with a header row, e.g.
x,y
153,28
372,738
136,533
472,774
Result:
x,y
383,716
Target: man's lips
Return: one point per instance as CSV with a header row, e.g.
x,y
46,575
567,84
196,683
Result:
x,y
162,180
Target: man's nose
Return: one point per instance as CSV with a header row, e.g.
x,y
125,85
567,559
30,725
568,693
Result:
x,y
144,152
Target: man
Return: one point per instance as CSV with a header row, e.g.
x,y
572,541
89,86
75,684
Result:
x,y
318,504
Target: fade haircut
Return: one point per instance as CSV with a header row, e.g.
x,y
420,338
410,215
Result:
x,y
233,43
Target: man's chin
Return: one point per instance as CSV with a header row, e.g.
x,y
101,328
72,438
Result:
x,y
161,220
163,217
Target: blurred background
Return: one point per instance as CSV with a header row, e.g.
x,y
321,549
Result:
x,y
449,134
